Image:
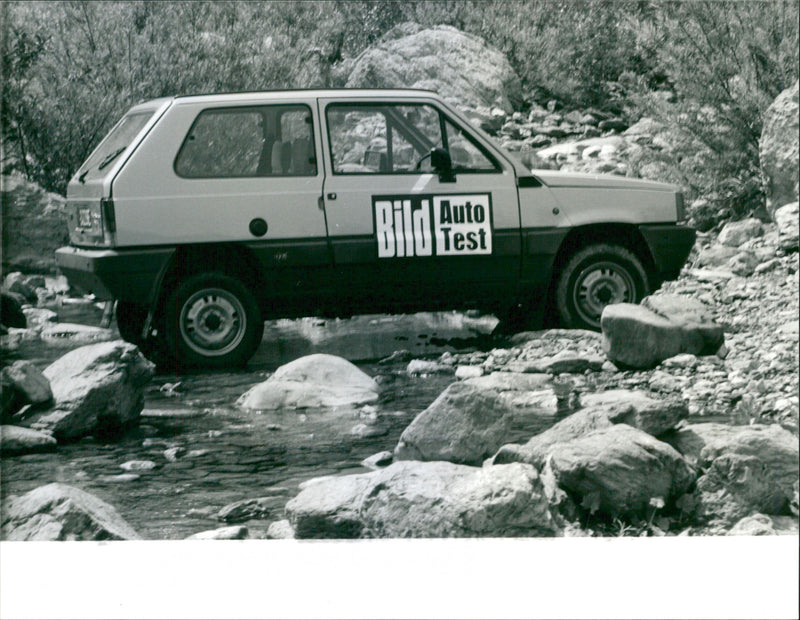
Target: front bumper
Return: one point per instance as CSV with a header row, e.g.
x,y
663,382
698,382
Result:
x,y
127,274
670,245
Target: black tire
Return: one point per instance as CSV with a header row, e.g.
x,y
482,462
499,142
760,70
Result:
x,y
211,320
130,320
595,277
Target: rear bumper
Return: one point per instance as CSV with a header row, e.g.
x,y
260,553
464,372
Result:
x,y
130,275
670,245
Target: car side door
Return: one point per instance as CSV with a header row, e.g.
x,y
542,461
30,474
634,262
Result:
x,y
402,233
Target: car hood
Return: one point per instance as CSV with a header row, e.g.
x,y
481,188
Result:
x,y
554,178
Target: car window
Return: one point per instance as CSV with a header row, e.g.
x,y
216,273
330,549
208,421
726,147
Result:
x,y
114,144
382,138
397,139
249,142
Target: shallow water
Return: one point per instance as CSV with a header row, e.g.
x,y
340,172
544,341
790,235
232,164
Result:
x,y
228,455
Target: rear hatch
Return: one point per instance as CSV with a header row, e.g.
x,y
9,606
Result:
x,y
90,204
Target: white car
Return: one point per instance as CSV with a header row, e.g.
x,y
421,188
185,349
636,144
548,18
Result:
x,y
205,215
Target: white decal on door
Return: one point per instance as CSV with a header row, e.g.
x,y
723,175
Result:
x,y
442,225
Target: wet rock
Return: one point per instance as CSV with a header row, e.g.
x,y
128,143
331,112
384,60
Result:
x,y
61,512
398,357
11,313
20,440
257,508
734,234
138,465
96,389
317,380
619,469
468,372
425,367
463,425
70,334
683,360
376,461
22,384
787,218
510,381
280,530
233,532
460,67
764,525
601,410
745,469
423,500
15,282
129,477
778,149
662,327
174,453
39,318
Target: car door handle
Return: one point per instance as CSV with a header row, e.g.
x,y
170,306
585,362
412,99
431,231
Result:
x,y
331,196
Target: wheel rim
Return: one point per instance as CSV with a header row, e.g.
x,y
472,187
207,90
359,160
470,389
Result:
x,y
212,322
599,285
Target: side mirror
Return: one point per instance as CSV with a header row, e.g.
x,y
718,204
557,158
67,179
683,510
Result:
x,y
441,162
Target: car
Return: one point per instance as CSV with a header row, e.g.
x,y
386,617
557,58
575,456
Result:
x,y
205,215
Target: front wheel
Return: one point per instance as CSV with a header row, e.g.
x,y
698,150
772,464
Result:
x,y
595,277
212,320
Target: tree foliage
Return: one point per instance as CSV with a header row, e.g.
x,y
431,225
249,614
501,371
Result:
x,y
706,69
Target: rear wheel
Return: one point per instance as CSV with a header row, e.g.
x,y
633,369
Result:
x,y
595,277
212,320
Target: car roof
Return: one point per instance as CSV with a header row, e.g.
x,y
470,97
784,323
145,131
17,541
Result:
x,y
277,95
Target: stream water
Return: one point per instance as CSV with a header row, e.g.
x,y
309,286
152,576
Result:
x,y
226,455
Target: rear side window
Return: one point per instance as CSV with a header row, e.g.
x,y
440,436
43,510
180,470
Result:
x,y
250,141
115,143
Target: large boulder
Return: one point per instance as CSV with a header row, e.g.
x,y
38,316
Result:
x,y
602,410
464,425
618,470
23,384
787,218
744,469
21,440
34,225
98,388
460,67
413,499
779,151
734,234
318,380
663,326
61,512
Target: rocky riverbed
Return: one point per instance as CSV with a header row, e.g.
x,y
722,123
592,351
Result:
x,y
198,463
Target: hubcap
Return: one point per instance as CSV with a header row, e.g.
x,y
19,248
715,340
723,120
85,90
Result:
x,y
599,285
212,322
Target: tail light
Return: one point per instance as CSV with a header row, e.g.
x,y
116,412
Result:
x,y
109,220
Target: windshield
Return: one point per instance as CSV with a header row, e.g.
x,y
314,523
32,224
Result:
x,y
114,144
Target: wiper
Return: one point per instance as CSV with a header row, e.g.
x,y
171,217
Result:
x,y
111,157
82,178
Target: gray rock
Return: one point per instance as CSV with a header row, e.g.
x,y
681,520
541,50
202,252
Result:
x,y
464,424
662,327
257,508
460,67
138,465
425,367
601,410
61,512
70,334
787,218
468,372
619,469
39,221
20,440
734,234
232,532
280,530
376,461
96,388
29,382
764,525
425,500
745,469
778,149
318,380
743,264
716,255
510,381
38,318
